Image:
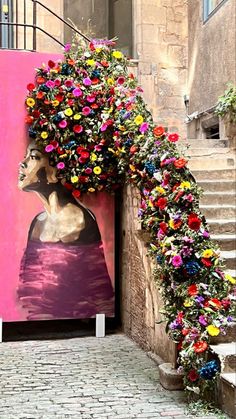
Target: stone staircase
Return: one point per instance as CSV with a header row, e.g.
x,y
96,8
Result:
x,y
213,166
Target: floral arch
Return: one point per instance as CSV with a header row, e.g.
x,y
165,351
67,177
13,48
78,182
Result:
x,y
87,112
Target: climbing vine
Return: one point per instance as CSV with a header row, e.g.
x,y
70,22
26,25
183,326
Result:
x,y
87,112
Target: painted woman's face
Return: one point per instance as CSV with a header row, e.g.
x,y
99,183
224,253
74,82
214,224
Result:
x,y
35,170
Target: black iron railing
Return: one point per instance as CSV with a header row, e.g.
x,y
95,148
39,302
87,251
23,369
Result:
x,y
17,14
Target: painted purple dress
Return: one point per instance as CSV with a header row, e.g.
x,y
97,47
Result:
x,y
66,280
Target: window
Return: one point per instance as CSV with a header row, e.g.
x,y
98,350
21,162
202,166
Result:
x,y
210,6
6,31
102,19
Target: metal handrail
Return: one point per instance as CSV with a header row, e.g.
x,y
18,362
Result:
x,y
36,27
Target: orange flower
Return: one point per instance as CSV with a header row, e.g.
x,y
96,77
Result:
x,y
40,80
200,346
215,303
158,131
180,163
40,95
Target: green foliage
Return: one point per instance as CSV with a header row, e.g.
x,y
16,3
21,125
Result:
x,y
227,104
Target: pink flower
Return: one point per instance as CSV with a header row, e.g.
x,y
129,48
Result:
x,y
50,84
90,98
98,147
60,165
87,81
88,170
57,82
86,110
143,127
189,197
77,92
63,124
121,80
49,148
104,127
177,261
68,83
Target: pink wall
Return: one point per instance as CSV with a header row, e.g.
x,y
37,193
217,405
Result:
x,y
19,208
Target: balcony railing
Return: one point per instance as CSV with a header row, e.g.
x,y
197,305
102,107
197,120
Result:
x,y
19,24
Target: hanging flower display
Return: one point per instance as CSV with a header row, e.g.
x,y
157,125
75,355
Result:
x,y
87,112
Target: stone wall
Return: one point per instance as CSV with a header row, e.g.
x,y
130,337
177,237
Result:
x,y
212,53
140,299
160,38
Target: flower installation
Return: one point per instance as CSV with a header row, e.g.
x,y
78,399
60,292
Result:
x,y
87,112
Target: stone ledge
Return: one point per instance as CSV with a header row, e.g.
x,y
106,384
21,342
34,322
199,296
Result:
x,y
170,379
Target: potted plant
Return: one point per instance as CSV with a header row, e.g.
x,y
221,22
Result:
x,y
226,109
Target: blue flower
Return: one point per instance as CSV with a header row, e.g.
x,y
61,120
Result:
x,y
209,370
192,267
150,167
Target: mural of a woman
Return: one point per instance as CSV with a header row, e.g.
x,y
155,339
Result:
x,y
63,270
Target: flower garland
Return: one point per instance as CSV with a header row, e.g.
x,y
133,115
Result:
x,y
88,114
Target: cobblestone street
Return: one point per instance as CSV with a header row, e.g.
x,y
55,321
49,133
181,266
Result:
x,y
83,378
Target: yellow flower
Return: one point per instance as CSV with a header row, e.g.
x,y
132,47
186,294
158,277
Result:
x,y
68,112
91,62
188,303
97,170
185,185
138,120
93,157
44,135
132,167
55,102
74,179
117,54
213,330
91,189
111,150
160,190
30,102
110,81
77,116
229,278
208,253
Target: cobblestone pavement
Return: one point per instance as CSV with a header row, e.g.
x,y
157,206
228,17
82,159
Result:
x,y
83,378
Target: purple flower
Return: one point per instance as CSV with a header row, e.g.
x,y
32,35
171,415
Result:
x,y
199,299
175,325
187,239
67,47
205,234
203,320
143,127
186,251
177,261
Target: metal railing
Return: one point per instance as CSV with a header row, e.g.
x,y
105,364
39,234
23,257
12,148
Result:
x,y
10,38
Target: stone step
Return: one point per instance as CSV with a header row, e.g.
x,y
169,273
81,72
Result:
x,y
217,185
204,162
204,143
229,257
225,241
218,226
229,174
227,393
214,198
218,211
228,338
226,353
212,152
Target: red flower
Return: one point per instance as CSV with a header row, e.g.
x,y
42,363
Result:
x,y
83,179
180,317
200,346
59,97
36,113
185,332
91,46
226,303
173,137
104,63
215,303
40,95
78,129
133,149
163,226
51,64
40,80
192,290
68,186
193,375
194,222
95,80
29,119
30,87
76,193
85,154
206,262
180,163
158,131
161,203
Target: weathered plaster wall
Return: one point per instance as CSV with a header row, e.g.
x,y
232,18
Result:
x,y
212,53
